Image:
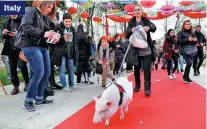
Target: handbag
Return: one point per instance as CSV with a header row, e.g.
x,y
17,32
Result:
x,y
190,50
22,57
99,69
139,38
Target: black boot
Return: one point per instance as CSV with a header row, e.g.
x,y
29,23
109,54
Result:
x,y
195,72
137,87
156,66
147,87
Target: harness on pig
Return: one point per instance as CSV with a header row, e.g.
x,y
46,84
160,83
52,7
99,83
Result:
x,y
121,92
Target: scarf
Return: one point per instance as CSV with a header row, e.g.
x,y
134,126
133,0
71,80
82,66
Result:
x,y
101,53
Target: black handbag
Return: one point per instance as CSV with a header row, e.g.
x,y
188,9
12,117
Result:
x,y
99,69
190,50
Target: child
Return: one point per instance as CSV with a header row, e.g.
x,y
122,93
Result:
x,y
105,57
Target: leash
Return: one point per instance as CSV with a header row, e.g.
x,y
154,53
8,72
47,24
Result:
x,y
119,71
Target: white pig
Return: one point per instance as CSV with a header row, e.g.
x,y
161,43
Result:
x,y
107,105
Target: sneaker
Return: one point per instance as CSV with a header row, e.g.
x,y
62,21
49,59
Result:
x,y
66,89
170,77
185,80
190,81
43,102
173,75
198,71
29,106
195,74
74,88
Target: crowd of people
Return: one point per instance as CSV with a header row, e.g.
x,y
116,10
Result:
x,y
77,52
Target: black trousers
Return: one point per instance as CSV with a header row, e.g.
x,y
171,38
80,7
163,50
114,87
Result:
x,y
118,65
52,76
14,62
147,71
169,65
189,62
196,64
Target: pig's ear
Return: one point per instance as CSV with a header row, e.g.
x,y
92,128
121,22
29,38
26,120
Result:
x,y
95,99
109,103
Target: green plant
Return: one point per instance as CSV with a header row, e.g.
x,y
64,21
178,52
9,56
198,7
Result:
x,y
3,77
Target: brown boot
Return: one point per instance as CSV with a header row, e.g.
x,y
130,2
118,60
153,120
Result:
x,y
25,86
15,90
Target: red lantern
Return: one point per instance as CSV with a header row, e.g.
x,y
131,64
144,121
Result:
x,y
97,19
129,7
195,15
72,10
186,3
84,15
57,2
147,3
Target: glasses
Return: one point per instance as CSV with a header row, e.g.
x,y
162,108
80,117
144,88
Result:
x,y
137,10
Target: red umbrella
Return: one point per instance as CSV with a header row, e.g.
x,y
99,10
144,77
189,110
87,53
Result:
x,y
186,3
167,7
195,14
147,3
159,16
129,7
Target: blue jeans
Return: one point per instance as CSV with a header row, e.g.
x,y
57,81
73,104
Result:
x,y
181,62
39,62
70,68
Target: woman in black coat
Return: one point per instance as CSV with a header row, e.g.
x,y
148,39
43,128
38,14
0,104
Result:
x,y
136,55
83,46
186,38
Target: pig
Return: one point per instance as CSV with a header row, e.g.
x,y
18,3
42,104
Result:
x,y
107,105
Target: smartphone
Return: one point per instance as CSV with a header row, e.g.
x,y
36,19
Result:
x,y
8,32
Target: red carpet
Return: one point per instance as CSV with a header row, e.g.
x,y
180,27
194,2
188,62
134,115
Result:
x,y
172,105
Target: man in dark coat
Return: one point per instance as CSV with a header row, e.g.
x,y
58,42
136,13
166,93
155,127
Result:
x,y
201,41
10,28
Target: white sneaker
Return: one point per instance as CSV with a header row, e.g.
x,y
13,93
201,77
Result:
x,y
173,75
67,89
170,77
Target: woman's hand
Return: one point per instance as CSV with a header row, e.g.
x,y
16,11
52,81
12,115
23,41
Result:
x,y
190,38
100,62
107,63
146,28
49,34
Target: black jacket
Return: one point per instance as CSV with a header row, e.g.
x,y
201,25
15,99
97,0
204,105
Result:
x,y
33,26
200,39
68,48
132,56
83,46
182,39
10,25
